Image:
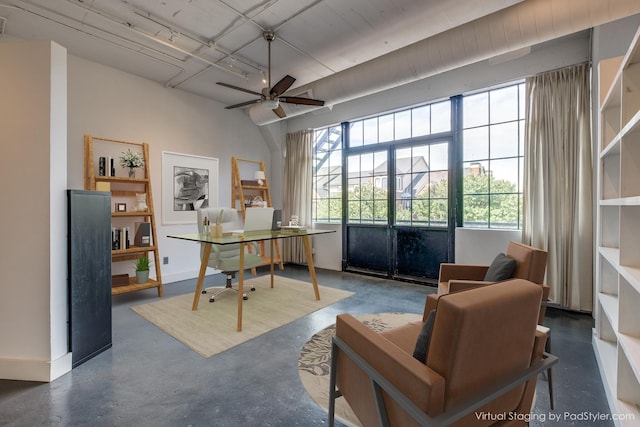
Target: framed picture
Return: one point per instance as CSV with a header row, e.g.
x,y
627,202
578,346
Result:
x,y
188,183
121,207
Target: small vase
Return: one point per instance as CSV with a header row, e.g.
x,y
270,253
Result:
x,y
132,172
142,276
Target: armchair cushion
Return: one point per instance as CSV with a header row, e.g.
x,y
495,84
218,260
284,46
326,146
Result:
x,y
422,343
501,268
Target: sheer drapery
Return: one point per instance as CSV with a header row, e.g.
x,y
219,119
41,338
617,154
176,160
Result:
x,y
297,189
557,213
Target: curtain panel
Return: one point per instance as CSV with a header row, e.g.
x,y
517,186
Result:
x,y
558,183
297,189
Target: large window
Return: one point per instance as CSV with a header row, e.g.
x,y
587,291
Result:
x,y
327,175
492,141
411,123
492,135
422,185
368,188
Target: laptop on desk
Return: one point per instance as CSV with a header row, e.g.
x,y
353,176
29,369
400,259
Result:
x,y
256,220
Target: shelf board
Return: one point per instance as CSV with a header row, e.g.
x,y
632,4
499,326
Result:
x,y
609,304
607,358
612,255
145,213
133,286
255,187
613,148
633,125
631,347
631,275
133,250
120,179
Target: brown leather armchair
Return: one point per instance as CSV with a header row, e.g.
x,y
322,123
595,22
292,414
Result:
x,y
531,265
480,370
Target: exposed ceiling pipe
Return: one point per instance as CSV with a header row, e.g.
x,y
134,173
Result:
x,y
517,27
133,29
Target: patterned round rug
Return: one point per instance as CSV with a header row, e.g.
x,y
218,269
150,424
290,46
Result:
x,y
314,363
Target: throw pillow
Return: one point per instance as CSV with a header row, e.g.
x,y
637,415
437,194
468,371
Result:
x,y
501,268
422,343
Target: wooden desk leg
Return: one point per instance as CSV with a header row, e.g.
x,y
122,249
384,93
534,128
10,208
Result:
x,y
312,270
240,286
271,262
203,268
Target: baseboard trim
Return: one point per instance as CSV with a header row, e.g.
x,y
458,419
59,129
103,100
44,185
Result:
x,y
35,370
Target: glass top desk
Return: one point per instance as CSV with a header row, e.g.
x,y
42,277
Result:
x,y
257,236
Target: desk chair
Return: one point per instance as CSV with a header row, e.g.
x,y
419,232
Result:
x,y
226,257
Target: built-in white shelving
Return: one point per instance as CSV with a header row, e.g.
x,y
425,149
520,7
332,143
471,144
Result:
x,y
616,338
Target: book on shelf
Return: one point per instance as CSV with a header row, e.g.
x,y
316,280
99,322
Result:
x,y
120,238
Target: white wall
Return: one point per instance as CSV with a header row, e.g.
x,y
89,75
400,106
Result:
x,y
33,306
109,103
492,242
39,160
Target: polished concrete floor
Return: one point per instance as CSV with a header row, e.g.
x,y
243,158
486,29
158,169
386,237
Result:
x,y
150,379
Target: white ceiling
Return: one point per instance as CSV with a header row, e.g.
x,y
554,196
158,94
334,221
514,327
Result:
x,y
192,44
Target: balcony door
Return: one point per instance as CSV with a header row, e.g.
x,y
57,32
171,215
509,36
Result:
x,y
399,221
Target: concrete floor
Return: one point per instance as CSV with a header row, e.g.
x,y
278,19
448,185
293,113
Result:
x,y
150,379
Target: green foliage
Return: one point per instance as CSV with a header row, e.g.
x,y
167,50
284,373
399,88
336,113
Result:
x,y
369,204
143,263
328,209
501,208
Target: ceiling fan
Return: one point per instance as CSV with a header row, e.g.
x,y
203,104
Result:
x,y
271,96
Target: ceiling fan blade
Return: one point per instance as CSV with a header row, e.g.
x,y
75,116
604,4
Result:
x,y
280,112
242,104
239,88
282,86
302,101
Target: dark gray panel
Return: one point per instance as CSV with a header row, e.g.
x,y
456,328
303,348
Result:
x,y
89,251
419,252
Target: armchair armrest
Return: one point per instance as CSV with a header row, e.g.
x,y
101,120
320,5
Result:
x,y
450,271
463,285
419,383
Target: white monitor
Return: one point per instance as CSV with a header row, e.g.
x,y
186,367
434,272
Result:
x,y
258,219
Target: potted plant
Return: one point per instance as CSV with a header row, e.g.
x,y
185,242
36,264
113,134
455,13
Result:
x,y
131,160
142,269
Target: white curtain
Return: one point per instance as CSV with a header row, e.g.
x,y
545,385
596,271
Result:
x,y
558,182
297,189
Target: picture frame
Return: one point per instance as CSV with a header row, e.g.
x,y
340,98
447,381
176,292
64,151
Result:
x,y
189,182
121,207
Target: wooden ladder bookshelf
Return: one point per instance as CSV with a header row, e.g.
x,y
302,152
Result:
x,y
243,192
124,188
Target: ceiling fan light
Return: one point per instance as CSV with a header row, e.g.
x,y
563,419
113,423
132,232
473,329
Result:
x,y
270,104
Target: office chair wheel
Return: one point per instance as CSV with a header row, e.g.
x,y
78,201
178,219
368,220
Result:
x,y
204,291
253,288
245,297
212,299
